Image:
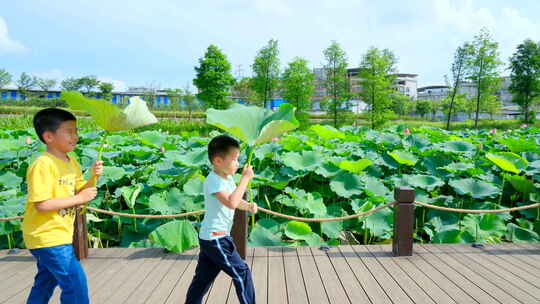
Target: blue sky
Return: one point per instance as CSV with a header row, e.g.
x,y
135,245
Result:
x,y
157,43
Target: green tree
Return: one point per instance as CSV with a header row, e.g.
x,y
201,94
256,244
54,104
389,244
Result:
x,y
88,83
266,70
377,78
483,64
525,77
45,84
214,79
298,85
336,81
401,104
70,84
492,106
458,104
458,72
106,89
25,83
423,107
5,78
243,90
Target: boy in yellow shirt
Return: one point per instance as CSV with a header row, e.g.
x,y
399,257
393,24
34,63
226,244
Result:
x,y
55,188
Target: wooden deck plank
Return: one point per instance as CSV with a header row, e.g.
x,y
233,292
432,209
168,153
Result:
x,y
133,283
331,281
365,278
314,286
172,277
507,261
520,252
455,276
450,273
147,286
423,277
277,287
134,261
355,291
296,290
474,260
409,286
20,294
393,290
260,274
478,280
511,264
178,293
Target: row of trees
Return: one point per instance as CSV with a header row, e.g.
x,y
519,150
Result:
x,y
296,83
478,62
26,82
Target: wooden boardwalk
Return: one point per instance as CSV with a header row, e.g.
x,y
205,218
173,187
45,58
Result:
x,y
503,273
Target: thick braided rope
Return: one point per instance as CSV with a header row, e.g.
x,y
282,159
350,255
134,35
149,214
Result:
x,y
146,215
5,219
326,219
478,210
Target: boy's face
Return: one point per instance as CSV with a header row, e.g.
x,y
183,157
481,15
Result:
x,y
65,138
227,164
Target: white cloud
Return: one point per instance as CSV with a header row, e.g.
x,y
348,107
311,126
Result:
x,y
463,15
7,45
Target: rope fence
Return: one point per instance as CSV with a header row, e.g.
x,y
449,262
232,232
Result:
x,y
302,219
477,210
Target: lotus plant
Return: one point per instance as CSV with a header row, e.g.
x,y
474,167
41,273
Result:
x,y
253,126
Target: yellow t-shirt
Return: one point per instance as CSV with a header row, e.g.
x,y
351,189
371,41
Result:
x,y
50,177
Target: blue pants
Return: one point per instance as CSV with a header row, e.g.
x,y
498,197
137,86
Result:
x,y
215,256
58,265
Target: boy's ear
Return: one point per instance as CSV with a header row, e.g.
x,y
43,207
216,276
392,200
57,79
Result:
x,y
48,136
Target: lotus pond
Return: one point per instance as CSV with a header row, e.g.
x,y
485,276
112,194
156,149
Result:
x,y
320,172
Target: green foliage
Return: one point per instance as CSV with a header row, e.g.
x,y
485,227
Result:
x,y
110,117
254,125
320,172
214,79
176,236
423,107
5,78
106,89
266,72
377,74
525,77
483,69
298,86
336,80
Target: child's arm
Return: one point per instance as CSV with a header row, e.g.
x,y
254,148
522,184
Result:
x,y
234,200
80,198
97,170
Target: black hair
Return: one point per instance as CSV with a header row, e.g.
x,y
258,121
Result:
x,y
50,120
221,145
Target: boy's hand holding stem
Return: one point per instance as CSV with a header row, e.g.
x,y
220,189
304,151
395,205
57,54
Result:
x,y
89,191
247,175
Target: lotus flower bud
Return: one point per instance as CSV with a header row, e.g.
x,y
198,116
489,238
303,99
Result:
x,y
275,139
524,125
493,131
28,140
162,149
406,131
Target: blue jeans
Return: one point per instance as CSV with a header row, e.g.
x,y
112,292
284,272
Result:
x,y
58,265
215,256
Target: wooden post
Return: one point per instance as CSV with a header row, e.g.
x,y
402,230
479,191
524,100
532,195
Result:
x,y
239,232
402,243
80,236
